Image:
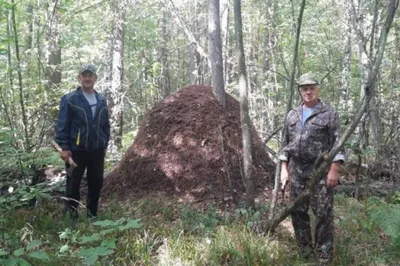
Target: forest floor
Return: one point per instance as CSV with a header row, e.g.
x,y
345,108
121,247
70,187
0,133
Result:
x,y
159,230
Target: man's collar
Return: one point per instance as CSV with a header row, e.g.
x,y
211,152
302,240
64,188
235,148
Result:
x,y
318,108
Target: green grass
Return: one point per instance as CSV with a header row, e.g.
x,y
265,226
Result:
x,y
170,233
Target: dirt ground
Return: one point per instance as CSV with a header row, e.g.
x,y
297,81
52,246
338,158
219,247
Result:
x,y
179,150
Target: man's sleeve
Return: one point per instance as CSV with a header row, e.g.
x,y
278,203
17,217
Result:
x,y
334,136
283,155
106,128
63,125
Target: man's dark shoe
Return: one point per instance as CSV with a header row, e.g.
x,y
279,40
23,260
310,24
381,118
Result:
x,y
307,253
91,218
74,222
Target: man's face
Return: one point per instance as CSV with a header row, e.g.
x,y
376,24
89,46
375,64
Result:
x,y
87,79
309,94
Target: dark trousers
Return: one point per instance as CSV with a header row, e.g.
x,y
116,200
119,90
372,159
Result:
x,y
322,206
93,161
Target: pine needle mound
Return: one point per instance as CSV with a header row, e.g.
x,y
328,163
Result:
x,y
178,150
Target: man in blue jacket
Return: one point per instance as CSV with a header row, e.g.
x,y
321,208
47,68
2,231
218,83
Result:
x,y
83,132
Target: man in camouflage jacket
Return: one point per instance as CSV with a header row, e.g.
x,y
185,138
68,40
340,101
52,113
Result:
x,y
312,129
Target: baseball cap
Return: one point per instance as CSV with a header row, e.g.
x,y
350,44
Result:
x,y
307,79
88,68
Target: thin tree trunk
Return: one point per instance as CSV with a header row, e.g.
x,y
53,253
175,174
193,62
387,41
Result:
x,y
164,56
10,67
194,67
53,49
21,92
215,52
324,161
225,39
30,20
288,106
7,113
117,66
374,107
345,103
244,108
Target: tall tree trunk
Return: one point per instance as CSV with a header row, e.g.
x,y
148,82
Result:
x,y
194,68
244,107
29,21
288,106
345,102
10,83
164,56
53,47
225,39
269,66
374,107
115,95
215,52
21,91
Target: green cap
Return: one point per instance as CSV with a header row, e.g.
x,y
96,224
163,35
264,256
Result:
x,y
88,68
307,79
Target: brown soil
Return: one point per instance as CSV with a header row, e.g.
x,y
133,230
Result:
x,y
178,151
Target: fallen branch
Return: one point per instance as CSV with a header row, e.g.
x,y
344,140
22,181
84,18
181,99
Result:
x,y
271,135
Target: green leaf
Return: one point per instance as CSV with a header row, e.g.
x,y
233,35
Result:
x,y
3,252
22,262
108,231
84,252
19,252
64,248
91,260
34,244
132,224
65,234
40,255
88,239
105,223
103,251
10,262
109,243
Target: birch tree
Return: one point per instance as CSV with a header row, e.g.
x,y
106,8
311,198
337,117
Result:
x,y
215,52
244,106
116,92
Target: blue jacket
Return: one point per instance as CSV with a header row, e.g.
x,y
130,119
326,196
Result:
x,y
77,129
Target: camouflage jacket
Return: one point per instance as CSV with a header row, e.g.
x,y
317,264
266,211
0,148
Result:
x,y
318,135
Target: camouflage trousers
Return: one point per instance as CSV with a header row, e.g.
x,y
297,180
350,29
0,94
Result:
x,y
322,206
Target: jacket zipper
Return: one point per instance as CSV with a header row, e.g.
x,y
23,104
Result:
x,y
87,123
98,127
78,139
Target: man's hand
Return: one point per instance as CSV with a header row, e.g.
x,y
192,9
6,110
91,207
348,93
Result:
x,y
284,175
65,155
333,175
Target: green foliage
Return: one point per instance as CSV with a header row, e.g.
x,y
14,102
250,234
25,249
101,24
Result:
x,y
387,217
20,255
100,243
193,221
23,196
188,237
